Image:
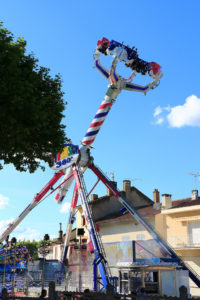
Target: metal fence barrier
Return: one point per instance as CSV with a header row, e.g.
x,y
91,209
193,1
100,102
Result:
x,y
87,295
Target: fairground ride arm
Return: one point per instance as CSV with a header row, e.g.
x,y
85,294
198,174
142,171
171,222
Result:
x,y
37,199
89,138
99,67
144,89
137,88
65,185
117,84
71,220
94,127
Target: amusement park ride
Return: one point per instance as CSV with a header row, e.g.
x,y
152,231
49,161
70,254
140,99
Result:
x,y
13,255
74,160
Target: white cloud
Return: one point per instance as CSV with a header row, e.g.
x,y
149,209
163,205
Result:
x,y
65,207
158,110
53,236
157,114
4,224
159,121
21,233
3,202
187,114
27,234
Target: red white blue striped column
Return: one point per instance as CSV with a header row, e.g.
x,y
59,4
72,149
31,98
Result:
x,y
100,116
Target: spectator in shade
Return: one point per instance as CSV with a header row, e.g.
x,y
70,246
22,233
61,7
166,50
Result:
x,y
43,294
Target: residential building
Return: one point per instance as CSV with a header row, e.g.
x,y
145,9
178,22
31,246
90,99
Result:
x,y
115,226
52,249
177,222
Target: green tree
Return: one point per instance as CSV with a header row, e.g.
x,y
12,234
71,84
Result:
x,y
32,246
32,107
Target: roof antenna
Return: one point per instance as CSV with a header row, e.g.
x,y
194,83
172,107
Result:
x,y
112,175
195,175
134,179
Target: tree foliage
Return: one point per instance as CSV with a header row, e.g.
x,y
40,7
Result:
x,y
32,107
32,246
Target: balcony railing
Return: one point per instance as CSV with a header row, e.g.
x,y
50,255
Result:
x,y
184,241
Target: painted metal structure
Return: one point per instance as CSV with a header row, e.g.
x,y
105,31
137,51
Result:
x,y
12,255
74,160
39,197
117,84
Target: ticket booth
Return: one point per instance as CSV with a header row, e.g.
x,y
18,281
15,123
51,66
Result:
x,y
156,279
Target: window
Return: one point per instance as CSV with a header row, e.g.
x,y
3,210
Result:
x,y
194,233
83,220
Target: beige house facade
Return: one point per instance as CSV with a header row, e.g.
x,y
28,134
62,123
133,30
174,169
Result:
x,y
177,222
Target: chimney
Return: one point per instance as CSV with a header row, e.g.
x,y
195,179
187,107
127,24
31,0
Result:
x,y
166,201
109,193
156,196
94,197
60,233
126,186
194,194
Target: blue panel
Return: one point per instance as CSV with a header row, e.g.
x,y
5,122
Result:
x,y
123,210
131,53
113,44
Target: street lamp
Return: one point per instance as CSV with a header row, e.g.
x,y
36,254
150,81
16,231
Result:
x,y
44,252
80,233
14,241
6,251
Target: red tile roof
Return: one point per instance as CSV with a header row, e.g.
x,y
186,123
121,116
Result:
x,y
185,202
145,212
150,211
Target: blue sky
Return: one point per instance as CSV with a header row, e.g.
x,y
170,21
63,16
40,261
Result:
x,y
154,138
